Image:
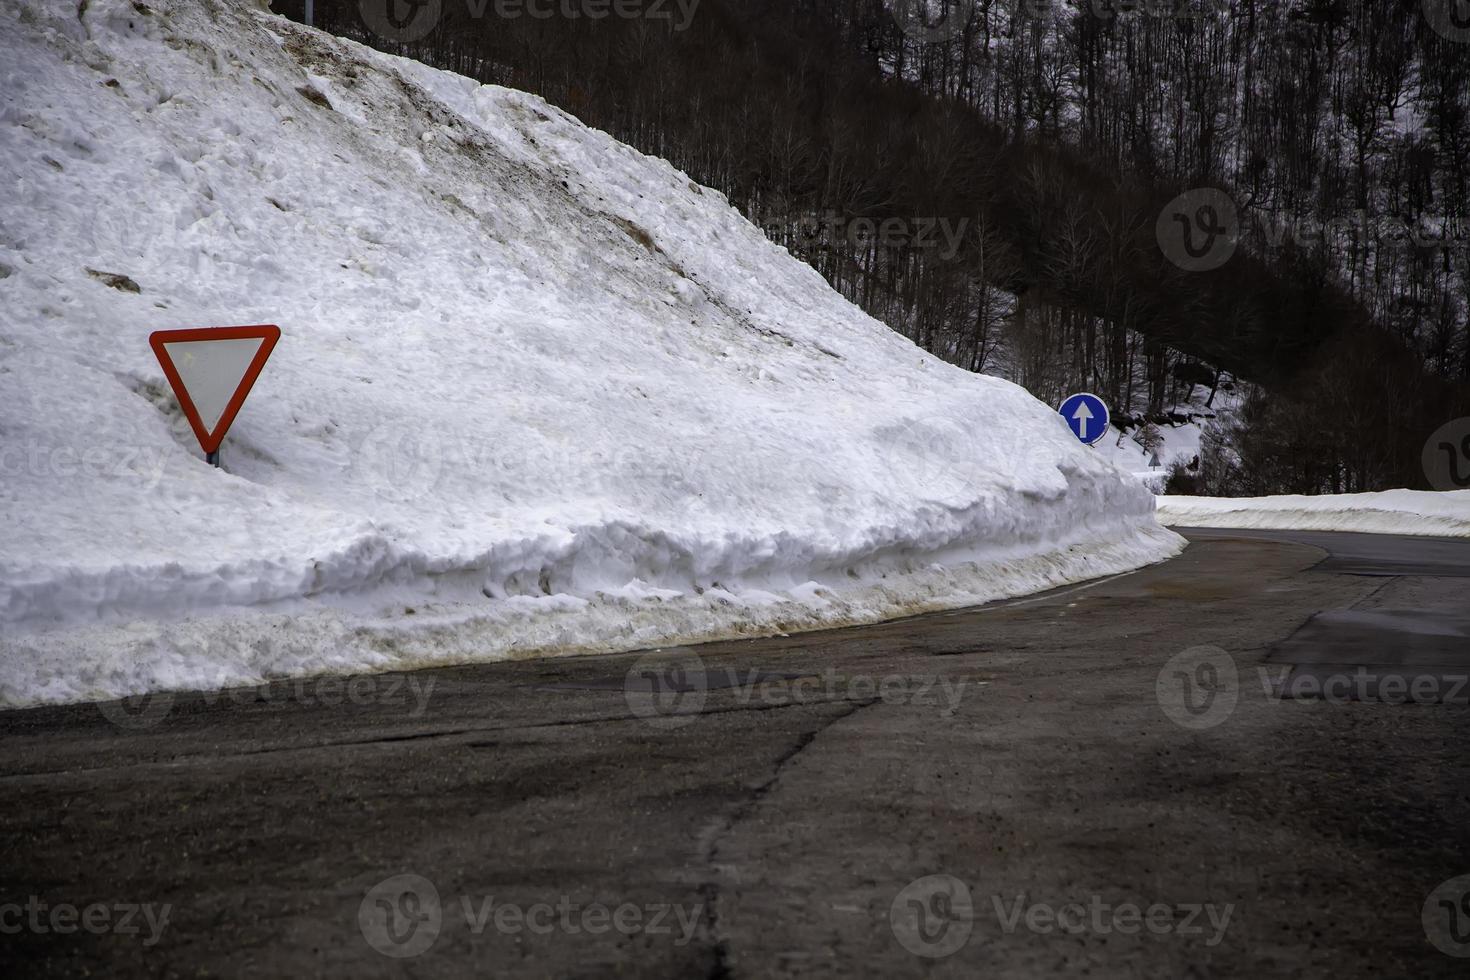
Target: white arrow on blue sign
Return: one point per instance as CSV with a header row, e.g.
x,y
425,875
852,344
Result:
x,y
1087,415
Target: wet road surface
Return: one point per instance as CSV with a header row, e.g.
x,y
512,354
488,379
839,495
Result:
x,y
1125,778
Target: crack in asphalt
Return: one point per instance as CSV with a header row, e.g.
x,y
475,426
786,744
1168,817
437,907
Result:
x,y
721,825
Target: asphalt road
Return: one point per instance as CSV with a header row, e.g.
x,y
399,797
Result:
x,y
1200,769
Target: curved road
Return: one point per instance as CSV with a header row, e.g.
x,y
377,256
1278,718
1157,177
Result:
x,y
1248,761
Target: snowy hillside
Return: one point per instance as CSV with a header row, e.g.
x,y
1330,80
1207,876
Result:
x,y
535,392
1180,436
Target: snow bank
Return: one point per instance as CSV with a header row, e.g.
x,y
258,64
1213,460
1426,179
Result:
x,y
1420,512
536,392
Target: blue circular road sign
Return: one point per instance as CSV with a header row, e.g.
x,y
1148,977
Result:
x,y
1087,415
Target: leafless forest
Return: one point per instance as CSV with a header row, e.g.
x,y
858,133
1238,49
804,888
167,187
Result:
x,y
994,182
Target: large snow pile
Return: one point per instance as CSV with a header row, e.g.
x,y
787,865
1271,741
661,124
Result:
x,y
1420,512
536,392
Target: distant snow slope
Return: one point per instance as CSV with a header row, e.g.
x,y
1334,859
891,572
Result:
x,y
1389,512
1181,442
536,392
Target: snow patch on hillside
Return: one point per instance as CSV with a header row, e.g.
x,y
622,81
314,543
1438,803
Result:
x,y
536,392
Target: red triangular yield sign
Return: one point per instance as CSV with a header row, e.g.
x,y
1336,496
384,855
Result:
x,y
211,370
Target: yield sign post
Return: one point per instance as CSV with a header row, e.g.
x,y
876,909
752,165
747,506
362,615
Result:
x,y
211,371
1087,416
